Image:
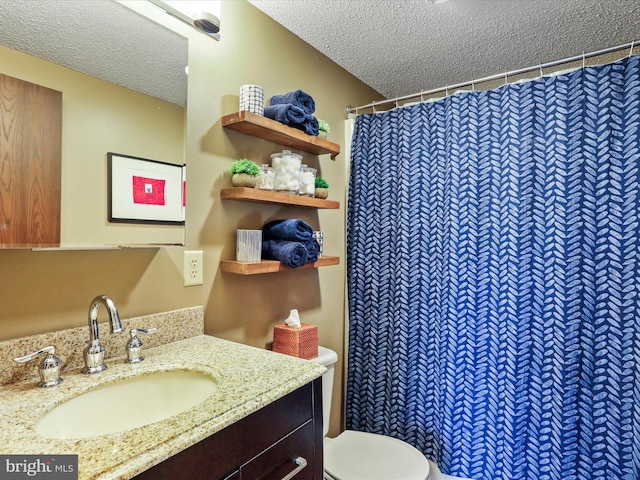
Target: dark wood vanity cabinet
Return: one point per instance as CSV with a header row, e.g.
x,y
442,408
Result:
x,y
262,446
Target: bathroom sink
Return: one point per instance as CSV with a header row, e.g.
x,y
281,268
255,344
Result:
x,y
127,404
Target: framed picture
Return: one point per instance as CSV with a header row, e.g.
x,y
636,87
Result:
x,y
144,191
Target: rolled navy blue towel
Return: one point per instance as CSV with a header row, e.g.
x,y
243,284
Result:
x,y
292,254
298,98
310,125
313,250
285,113
289,229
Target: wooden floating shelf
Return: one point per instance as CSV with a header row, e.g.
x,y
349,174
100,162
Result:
x,y
272,266
265,196
276,132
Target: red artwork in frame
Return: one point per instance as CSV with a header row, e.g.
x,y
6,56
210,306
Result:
x,y
148,191
141,190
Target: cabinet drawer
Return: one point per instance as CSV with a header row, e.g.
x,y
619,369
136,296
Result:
x,y
221,455
278,461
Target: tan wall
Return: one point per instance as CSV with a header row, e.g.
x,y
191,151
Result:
x,y
43,291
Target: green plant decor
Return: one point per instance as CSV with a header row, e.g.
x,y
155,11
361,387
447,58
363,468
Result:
x,y
244,166
321,183
323,126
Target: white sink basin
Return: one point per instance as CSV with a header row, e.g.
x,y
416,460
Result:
x,y
127,404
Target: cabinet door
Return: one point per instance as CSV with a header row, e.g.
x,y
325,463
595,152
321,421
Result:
x,y
30,164
279,461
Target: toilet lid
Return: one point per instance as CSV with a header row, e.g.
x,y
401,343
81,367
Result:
x,y
367,456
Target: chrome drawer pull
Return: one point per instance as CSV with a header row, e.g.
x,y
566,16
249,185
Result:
x,y
302,464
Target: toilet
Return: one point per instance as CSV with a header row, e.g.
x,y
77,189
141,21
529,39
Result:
x,y
364,456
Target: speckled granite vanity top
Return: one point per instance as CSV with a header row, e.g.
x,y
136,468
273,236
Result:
x,y
249,379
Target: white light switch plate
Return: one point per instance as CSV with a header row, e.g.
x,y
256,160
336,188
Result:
x,y
192,267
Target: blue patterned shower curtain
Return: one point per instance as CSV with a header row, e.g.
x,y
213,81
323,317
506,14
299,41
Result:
x,y
493,275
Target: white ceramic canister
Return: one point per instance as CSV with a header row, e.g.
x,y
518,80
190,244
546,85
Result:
x,y
248,245
252,99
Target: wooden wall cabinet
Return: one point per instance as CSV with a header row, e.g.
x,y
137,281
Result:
x,y
30,164
264,445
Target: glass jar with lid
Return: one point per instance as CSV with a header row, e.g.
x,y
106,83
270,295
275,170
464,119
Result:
x,y
266,178
286,167
307,181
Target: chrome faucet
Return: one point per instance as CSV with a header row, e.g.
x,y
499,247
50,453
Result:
x,y
94,353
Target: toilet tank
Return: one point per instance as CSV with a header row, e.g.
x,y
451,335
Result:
x,y
328,359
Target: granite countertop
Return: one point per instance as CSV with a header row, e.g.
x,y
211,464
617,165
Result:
x,y
249,379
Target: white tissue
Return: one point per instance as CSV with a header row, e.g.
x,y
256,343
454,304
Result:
x,y
294,319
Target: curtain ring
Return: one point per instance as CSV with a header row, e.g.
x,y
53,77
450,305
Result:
x,y
473,86
397,103
506,78
374,107
356,111
446,90
584,60
421,97
541,72
633,44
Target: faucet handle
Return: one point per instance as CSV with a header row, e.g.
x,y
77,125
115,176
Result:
x,y
134,346
49,369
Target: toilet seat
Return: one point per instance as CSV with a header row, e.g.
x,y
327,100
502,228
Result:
x,y
367,456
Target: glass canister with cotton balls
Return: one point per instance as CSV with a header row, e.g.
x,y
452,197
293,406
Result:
x,y
286,167
266,178
307,181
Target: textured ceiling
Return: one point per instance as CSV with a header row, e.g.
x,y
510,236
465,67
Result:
x,y
402,47
101,38
398,47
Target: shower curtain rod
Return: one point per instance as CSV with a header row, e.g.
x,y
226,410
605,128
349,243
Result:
x,y
505,75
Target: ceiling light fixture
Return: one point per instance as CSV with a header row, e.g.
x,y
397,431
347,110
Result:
x,y
194,13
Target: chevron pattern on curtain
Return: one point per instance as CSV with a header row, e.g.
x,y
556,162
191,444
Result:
x,y
493,275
